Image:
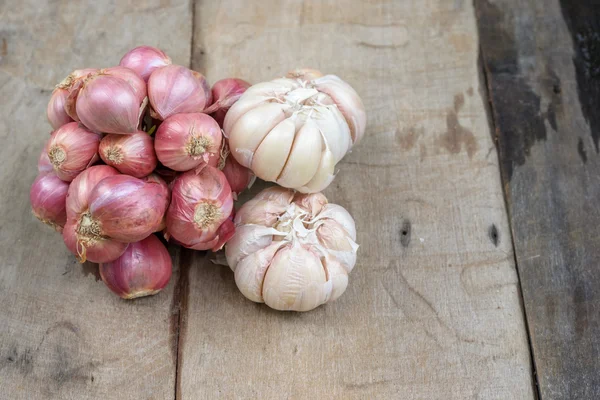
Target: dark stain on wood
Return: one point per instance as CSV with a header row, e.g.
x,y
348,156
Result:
x,y
470,91
583,20
4,48
407,138
522,121
457,135
494,235
22,360
552,202
581,150
405,233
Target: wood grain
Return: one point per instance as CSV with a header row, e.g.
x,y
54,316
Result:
x,y
63,335
542,61
432,310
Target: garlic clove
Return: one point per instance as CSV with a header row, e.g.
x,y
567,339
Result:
x,y
333,236
295,280
253,97
341,216
335,130
249,131
337,275
304,157
324,175
347,100
247,240
271,155
250,271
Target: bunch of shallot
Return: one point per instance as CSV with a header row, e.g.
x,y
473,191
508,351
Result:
x,y
147,150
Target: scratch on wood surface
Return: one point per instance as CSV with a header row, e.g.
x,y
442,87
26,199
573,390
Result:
x,y
418,309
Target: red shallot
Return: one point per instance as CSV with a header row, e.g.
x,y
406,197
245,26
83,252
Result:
x,y
130,154
238,176
47,195
224,93
78,199
127,209
144,60
112,101
144,269
80,241
184,141
174,89
71,149
201,204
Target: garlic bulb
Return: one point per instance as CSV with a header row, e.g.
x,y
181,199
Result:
x,y
294,130
292,251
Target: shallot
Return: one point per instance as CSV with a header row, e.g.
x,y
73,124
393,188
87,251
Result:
x,y
47,196
224,93
71,149
112,101
174,89
143,269
184,141
126,209
131,154
201,204
144,60
79,240
238,176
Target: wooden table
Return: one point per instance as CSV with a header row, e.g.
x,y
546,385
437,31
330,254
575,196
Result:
x,y
475,194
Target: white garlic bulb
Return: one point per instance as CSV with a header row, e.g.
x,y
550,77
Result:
x,y
292,251
294,130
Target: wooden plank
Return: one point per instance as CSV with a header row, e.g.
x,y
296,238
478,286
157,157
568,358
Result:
x,y
432,310
63,335
542,61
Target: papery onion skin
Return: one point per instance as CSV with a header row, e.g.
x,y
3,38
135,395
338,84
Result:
x,y
127,209
48,200
57,116
144,269
110,104
185,141
71,149
174,89
78,197
292,251
131,154
144,60
224,93
96,249
71,84
201,202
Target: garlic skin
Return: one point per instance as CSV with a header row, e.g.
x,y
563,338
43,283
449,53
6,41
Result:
x,y
292,251
294,130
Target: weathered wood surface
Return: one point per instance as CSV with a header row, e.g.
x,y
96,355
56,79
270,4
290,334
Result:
x,y
63,335
542,60
432,310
